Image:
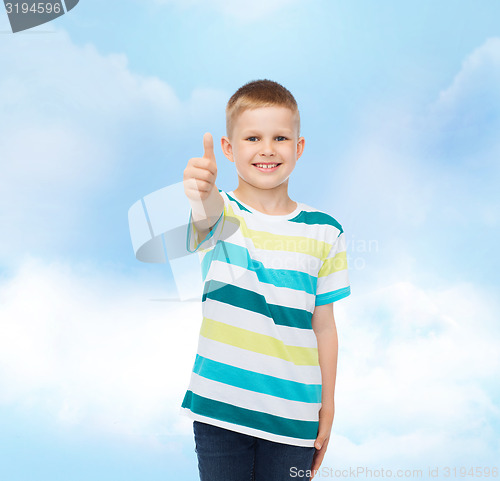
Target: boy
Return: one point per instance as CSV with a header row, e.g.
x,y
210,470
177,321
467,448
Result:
x,y
262,388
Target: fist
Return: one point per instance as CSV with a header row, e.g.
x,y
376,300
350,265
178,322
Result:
x,y
201,172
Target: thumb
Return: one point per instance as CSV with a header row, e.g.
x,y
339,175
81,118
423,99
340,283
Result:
x,y
208,146
320,440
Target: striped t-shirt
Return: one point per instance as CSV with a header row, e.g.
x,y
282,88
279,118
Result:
x,y
256,369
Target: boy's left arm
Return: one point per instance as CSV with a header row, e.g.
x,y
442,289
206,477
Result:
x,y
323,324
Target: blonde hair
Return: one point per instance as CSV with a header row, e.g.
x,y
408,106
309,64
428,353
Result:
x,y
256,94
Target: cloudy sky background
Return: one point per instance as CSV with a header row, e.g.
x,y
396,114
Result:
x,y
400,108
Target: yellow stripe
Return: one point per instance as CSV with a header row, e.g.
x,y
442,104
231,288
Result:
x,y
334,264
277,242
252,341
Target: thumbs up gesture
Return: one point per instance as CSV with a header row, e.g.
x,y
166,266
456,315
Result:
x,y
201,172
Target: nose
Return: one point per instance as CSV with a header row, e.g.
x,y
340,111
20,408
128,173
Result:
x,y
267,149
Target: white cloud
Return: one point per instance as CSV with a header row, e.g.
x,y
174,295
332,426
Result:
x,y
417,377
69,117
465,118
474,90
417,368
416,175
90,349
419,363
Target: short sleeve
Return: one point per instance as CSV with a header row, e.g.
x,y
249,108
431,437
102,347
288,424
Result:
x,y
333,278
193,243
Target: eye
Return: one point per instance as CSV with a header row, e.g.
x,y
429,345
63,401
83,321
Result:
x,y
281,138
252,139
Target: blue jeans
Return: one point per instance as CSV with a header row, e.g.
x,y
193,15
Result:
x,y
225,455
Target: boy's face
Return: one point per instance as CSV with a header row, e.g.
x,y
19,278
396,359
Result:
x,y
266,135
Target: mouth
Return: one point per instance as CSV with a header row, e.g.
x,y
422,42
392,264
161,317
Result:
x,y
267,166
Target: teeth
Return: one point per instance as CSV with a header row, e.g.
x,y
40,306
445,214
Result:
x,y
266,166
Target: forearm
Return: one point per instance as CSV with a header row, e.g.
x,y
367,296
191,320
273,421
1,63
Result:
x,y
323,324
328,354
205,213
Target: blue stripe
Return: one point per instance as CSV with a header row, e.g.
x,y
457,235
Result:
x,y
317,217
239,256
253,381
294,428
232,199
333,296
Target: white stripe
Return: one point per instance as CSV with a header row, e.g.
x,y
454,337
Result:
x,y
295,261
259,323
248,431
256,362
255,401
332,282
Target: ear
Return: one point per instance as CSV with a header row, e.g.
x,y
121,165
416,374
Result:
x,y
300,146
227,148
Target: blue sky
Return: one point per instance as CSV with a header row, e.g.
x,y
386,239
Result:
x,y
400,110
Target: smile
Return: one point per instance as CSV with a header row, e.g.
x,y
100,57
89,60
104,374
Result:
x,y
267,167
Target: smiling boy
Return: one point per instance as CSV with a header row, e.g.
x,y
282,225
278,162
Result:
x,y
261,392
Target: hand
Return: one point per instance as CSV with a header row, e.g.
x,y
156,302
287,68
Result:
x,y
201,172
322,439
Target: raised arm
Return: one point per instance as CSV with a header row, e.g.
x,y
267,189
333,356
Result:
x,y
206,201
